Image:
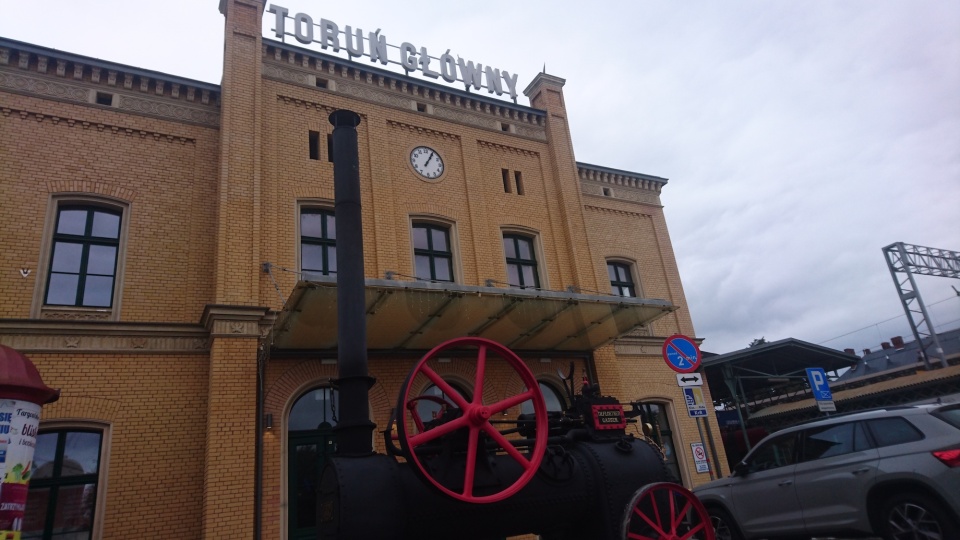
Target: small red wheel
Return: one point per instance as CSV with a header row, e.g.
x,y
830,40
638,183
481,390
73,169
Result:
x,y
666,511
462,437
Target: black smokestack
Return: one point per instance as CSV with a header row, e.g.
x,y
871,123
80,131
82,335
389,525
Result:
x,y
355,430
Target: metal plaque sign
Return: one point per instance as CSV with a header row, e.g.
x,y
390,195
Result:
x,y
689,379
374,46
609,417
696,406
700,457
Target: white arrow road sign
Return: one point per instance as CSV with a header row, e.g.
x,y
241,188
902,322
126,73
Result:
x,y
689,379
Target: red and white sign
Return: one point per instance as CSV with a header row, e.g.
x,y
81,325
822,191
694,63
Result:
x,y
681,353
700,457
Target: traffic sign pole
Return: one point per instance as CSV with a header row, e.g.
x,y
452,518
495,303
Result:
x,y
700,431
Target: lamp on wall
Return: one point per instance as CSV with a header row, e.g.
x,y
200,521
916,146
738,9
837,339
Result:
x,y
268,421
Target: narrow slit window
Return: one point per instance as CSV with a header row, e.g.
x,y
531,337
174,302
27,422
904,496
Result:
x,y
421,107
329,148
321,83
606,192
506,180
518,178
504,127
315,145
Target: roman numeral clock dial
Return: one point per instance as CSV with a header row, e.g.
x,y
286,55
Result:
x,y
426,162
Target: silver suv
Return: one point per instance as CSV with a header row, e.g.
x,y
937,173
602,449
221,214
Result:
x,y
893,473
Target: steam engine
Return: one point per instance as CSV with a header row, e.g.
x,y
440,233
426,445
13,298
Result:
x,y
467,471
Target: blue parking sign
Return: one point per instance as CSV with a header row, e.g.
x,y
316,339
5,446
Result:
x,y
819,384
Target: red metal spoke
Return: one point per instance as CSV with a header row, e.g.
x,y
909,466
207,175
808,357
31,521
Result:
x,y
439,431
478,380
505,444
692,531
444,386
673,525
417,420
679,515
501,406
471,464
635,536
656,526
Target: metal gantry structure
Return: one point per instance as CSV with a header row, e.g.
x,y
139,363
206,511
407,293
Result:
x,y
906,260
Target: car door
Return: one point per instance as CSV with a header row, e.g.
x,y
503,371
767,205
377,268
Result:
x,y
838,463
763,492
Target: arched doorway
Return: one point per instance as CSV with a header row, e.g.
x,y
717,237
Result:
x,y
310,441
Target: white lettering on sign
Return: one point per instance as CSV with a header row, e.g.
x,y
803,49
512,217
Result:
x,y
451,69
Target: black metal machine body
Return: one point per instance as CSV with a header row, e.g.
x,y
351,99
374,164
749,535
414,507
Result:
x,y
581,490
575,474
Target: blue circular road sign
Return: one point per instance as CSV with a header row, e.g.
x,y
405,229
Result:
x,y
681,353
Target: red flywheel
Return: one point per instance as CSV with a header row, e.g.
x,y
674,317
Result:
x,y
453,451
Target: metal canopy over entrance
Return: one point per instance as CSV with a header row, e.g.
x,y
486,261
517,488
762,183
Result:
x,y
420,315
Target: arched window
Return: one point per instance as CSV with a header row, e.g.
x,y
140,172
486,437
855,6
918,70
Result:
x,y
554,399
432,253
429,410
521,257
318,243
621,280
655,414
310,442
61,501
83,263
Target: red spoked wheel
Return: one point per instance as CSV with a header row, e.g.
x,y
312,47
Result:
x,y
454,452
666,511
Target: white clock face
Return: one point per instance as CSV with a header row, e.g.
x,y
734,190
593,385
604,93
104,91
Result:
x,y
427,162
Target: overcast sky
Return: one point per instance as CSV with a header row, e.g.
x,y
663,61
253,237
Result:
x,y
799,137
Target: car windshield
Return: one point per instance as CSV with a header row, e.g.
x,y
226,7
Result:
x,y
950,415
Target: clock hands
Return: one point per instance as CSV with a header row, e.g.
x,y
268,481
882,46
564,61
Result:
x,y
428,159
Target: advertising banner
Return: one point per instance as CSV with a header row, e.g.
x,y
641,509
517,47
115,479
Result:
x,y
19,421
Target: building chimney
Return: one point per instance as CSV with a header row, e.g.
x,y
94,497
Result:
x,y
866,352
850,351
885,345
897,342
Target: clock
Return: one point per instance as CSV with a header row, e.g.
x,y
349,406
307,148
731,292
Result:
x,y
426,162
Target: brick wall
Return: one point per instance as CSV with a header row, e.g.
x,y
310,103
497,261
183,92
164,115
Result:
x,y
155,408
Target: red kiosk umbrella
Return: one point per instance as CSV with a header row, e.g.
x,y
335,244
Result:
x,y
19,379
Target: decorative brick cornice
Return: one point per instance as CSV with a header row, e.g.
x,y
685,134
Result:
x,y
99,126
616,211
639,345
237,321
422,130
303,68
84,92
510,149
308,104
100,187
76,336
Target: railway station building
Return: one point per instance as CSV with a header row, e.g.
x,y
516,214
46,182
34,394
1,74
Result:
x,y
167,249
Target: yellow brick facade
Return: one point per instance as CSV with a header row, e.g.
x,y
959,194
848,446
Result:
x,y
210,181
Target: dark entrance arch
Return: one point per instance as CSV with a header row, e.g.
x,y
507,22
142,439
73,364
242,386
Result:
x,y
310,440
